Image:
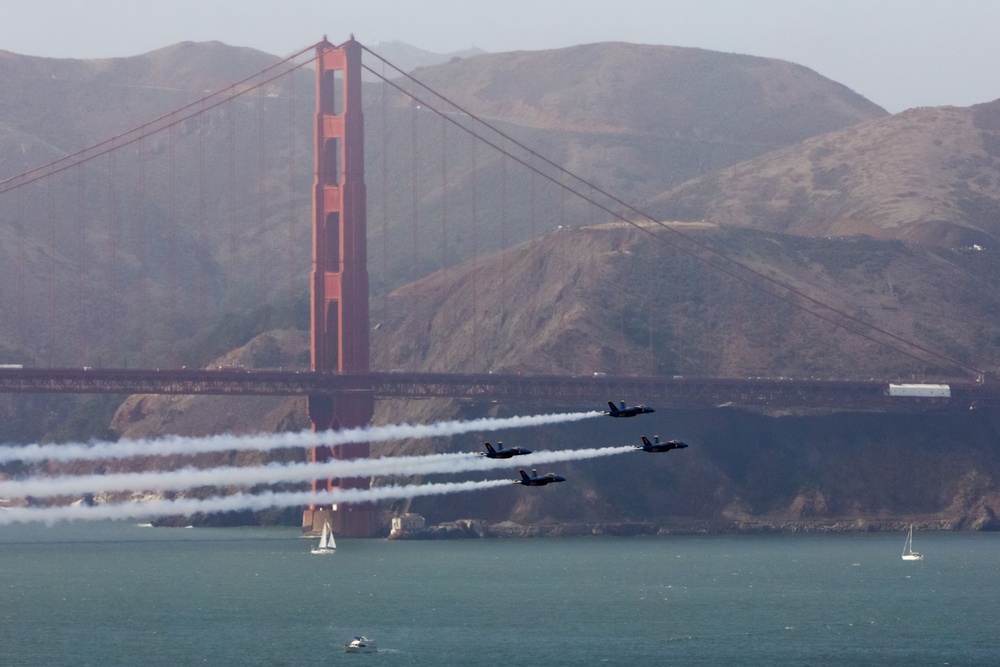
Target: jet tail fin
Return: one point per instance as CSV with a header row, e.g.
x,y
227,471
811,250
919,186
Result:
x,y
647,443
614,409
489,448
524,475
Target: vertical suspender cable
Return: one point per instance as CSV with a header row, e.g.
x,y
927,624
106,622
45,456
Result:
x,y
51,335
22,258
231,211
262,255
444,194
172,268
503,205
475,261
503,240
143,294
413,186
385,199
444,202
113,346
202,269
290,237
81,266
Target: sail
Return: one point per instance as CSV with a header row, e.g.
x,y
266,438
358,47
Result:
x,y
326,540
324,535
908,552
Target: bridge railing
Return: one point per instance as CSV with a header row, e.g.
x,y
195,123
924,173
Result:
x,y
580,392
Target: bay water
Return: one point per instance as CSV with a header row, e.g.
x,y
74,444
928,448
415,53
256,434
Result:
x,y
107,594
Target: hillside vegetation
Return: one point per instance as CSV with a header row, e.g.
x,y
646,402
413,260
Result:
x,y
552,306
927,176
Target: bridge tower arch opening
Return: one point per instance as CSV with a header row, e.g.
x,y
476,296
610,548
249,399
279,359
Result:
x,y
339,287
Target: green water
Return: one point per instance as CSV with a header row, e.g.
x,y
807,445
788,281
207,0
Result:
x,y
118,594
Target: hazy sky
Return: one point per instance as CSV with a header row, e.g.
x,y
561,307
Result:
x,y
897,53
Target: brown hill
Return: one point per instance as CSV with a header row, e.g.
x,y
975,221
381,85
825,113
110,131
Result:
x,y
172,261
68,104
631,119
615,299
148,234
144,416
926,175
660,92
612,299
598,299
551,306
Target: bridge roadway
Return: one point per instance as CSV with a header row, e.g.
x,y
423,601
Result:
x,y
544,390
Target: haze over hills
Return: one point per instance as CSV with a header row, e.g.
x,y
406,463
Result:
x,y
925,175
65,105
612,298
631,119
408,58
662,92
886,217
178,229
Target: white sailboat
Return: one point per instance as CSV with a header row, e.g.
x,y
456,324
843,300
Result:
x,y
908,552
327,545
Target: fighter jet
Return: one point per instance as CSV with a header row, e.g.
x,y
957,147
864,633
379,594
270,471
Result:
x,y
503,453
657,446
627,412
535,480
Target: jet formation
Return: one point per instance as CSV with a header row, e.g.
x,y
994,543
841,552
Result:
x,y
615,411
624,411
503,453
657,446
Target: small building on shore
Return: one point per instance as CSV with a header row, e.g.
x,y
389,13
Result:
x,y
406,524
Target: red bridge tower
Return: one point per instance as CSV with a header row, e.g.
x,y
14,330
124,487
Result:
x,y
340,276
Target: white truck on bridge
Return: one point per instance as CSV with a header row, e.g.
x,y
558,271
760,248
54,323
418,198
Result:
x,y
920,390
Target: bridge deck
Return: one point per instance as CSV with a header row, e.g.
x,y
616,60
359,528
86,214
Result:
x,y
869,395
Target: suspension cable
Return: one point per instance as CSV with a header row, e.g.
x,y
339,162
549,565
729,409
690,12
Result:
x,y
119,141
738,266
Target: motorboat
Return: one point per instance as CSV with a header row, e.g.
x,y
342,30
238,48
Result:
x,y
361,644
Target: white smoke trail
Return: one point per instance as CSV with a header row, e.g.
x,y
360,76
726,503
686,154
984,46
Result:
x,y
239,501
188,478
269,441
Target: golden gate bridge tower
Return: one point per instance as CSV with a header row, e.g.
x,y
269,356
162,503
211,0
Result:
x,y
340,320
